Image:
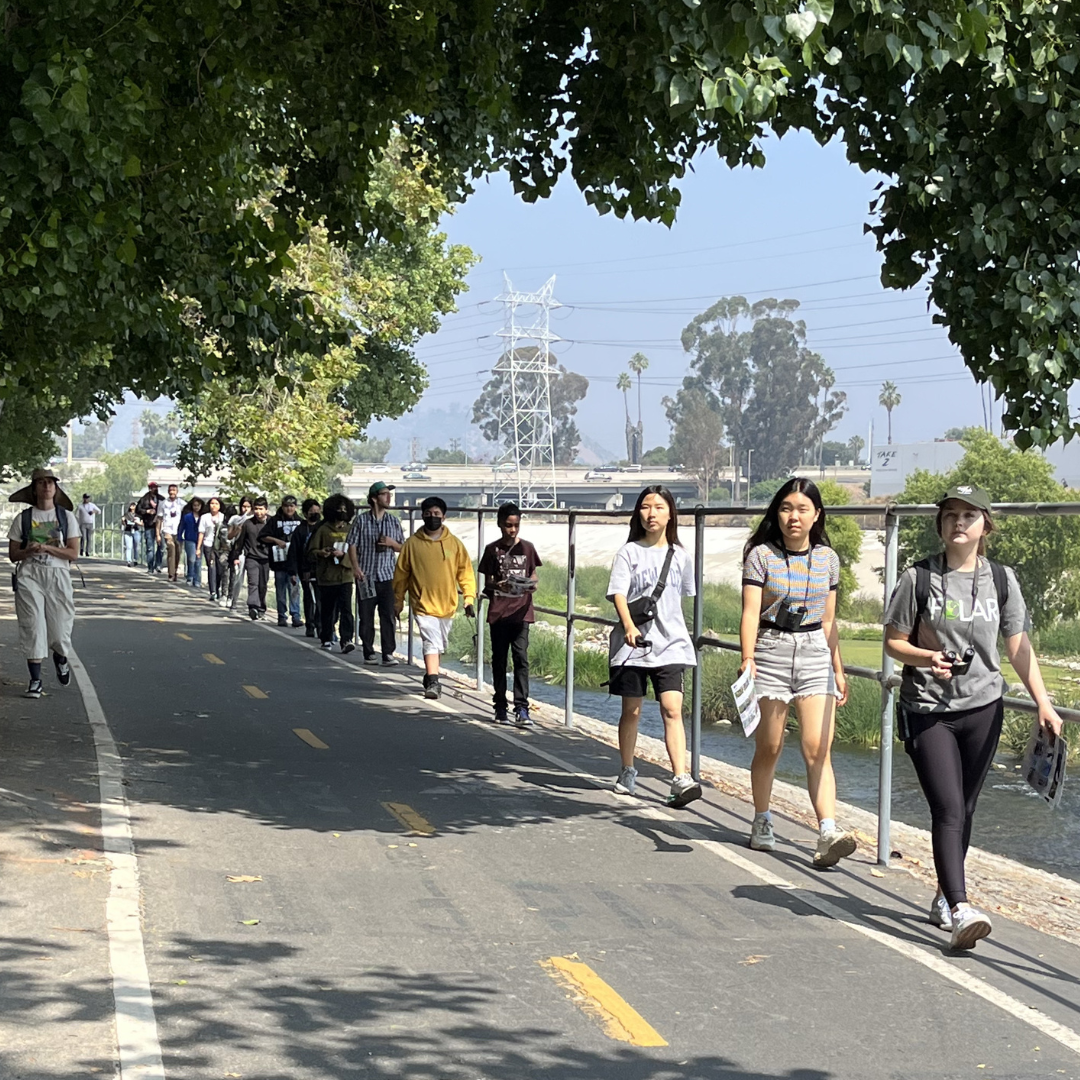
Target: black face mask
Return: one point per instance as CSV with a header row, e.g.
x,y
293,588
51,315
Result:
x,y
313,516
432,524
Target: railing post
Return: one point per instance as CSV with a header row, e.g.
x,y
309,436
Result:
x,y
412,529
479,603
696,680
571,603
892,554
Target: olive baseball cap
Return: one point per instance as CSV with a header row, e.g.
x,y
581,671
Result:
x,y
970,494
377,487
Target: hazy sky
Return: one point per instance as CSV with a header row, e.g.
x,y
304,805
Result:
x,y
791,230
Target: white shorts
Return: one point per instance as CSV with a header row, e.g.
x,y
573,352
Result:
x,y
434,633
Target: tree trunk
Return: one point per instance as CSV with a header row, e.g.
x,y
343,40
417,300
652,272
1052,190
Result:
x,y
889,411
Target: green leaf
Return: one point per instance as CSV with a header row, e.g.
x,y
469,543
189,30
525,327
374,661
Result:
x,y
801,24
833,57
709,93
133,166
126,252
681,91
914,56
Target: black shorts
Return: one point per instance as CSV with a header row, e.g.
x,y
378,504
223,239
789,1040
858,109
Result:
x,y
633,682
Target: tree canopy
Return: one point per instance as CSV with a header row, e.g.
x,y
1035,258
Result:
x,y
159,162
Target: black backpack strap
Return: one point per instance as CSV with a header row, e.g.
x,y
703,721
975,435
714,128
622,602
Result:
x,y
922,600
26,519
1001,584
661,581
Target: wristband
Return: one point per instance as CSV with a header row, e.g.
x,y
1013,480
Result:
x,y
745,658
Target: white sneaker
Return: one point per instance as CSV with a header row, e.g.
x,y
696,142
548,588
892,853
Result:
x,y
684,789
762,837
627,781
832,847
941,913
968,926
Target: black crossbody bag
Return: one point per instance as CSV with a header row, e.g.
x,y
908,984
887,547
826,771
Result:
x,y
643,609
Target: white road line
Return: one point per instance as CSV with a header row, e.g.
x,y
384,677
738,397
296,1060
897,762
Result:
x,y
136,1024
936,963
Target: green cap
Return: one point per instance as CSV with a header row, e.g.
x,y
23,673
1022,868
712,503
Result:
x,y
377,487
970,494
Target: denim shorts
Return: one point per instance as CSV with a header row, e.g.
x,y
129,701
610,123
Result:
x,y
791,666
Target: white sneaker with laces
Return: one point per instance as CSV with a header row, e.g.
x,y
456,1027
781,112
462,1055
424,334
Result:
x,y
941,913
762,837
832,847
684,789
968,926
627,781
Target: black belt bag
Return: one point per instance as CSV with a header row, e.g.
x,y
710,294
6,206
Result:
x,y
643,609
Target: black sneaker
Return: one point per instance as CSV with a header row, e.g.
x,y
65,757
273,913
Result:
x,y
310,631
328,645
502,716
283,622
34,689
433,689
297,625
63,669
348,647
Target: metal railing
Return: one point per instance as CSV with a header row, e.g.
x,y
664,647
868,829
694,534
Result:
x,y
890,513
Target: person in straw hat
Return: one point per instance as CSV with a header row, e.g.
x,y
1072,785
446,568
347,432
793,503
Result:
x,y
44,542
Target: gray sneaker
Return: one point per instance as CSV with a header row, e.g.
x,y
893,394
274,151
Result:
x,y
762,837
832,847
684,789
941,913
968,926
627,781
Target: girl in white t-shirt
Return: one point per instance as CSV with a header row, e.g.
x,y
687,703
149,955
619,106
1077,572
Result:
x,y
211,526
44,547
658,650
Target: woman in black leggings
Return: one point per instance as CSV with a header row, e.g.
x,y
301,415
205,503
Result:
x,y
943,625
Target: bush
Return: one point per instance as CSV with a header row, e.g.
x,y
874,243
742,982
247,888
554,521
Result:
x,y
864,608
1059,639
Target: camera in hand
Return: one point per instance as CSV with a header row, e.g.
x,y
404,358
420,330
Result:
x,y
788,617
959,663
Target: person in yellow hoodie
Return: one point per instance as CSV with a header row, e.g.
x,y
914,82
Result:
x,y
433,568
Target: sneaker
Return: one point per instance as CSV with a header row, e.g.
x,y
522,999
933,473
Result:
x,y
348,647
832,847
522,717
283,622
390,661
968,926
941,913
297,625
34,689
502,716
310,631
433,690
63,669
328,645
684,789
762,837
371,658
627,781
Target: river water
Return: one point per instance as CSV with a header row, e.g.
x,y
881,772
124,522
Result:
x,y
1011,820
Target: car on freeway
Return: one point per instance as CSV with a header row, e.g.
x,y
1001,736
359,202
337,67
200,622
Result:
x,y
629,468
378,468
415,474
505,466
413,466
597,474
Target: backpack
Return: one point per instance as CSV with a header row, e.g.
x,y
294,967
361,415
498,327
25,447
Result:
x,y
26,521
922,592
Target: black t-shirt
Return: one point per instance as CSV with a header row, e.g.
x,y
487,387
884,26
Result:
x,y
501,562
248,541
147,509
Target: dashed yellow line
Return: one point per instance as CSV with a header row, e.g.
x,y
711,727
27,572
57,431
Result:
x,y
309,738
416,823
183,637
593,996
210,658
157,618
255,692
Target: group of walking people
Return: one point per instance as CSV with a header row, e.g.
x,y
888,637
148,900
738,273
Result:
x,y
942,623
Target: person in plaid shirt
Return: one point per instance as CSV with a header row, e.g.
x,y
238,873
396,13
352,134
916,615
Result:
x,y
374,541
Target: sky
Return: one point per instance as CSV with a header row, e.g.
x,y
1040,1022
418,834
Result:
x,y
793,229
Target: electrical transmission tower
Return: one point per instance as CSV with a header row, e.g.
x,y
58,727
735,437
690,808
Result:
x,y
525,424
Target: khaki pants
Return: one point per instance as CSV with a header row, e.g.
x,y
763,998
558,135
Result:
x,y
45,608
173,547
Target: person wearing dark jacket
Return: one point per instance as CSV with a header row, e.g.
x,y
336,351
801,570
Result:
x,y
333,571
249,543
276,535
305,562
147,509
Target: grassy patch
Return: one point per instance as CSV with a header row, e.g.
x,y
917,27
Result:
x,y
864,608
1060,639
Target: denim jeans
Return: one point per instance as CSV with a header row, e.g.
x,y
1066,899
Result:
x,y
288,596
155,549
192,563
131,547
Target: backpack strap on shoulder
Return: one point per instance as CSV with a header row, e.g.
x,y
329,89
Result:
x,y
26,521
1001,584
922,601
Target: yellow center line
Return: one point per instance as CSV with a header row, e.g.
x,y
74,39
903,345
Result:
x,y
183,637
254,691
619,1019
157,618
417,824
210,658
311,740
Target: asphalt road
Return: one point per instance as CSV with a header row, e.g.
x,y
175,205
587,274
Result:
x,y
436,898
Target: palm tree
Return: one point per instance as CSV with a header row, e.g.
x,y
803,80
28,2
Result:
x,y
623,383
638,363
889,398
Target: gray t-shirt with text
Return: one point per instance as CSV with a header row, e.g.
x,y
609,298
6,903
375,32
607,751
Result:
x,y
953,621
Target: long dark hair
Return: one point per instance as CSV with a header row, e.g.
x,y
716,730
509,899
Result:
x,y
769,531
338,504
637,530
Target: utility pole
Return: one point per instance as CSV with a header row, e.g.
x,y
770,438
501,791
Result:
x,y
749,461
526,424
